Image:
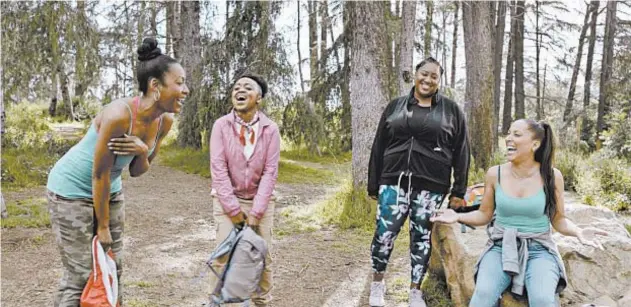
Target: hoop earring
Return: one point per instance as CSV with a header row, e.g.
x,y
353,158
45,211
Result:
x,y
154,96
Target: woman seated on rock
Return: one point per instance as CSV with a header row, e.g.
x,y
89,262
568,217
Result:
x,y
526,195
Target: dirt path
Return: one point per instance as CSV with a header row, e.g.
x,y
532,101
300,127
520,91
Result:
x,y
169,233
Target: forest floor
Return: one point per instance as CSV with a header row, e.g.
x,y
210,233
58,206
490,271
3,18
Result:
x,y
170,232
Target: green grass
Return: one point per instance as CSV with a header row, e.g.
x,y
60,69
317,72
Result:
x,y
195,161
435,291
325,158
31,213
628,227
293,173
139,303
398,288
140,284
297,220
191,161
25,168
349,208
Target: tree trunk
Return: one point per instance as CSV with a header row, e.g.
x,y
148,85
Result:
x,y
53,39
518,56
406,46
80,58
139,38
65,93
324,25
346,94
604,101
543,91
52,108
444,53
367,89
508,81
577,67
454,46
537,60
189,125
169,43
302,80
497,68
335,50
175,27
428,29
153,22
313,42
594,5
391,57
478,29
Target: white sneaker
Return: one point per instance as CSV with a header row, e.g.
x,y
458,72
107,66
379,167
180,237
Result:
x,y
377,292
416,298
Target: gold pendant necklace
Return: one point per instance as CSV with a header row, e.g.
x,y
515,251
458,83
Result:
x,y
512,170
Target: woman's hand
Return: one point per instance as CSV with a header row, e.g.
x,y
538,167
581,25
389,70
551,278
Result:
x,y
105,237
587,236
446,216
128,146
456,203
238,220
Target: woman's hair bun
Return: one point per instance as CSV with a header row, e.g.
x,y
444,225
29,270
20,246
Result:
x,y
149,49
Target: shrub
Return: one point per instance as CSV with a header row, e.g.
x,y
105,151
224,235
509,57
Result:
x,y
567,162
29,148
617,137
476,174
606,181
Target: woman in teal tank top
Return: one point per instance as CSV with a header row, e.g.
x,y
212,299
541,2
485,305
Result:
x,y
524,197
85,196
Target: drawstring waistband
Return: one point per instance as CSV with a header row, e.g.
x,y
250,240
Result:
x,y
409,191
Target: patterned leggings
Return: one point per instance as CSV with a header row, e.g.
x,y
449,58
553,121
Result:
x,y
391,215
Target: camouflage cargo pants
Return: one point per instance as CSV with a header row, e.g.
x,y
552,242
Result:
x,y
74,226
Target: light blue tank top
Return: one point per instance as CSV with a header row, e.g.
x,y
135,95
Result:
x,y
71,177
526,214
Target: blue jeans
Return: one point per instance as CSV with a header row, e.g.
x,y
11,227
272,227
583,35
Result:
x,y
542,277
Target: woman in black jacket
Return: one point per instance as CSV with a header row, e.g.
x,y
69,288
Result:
x,y
420,139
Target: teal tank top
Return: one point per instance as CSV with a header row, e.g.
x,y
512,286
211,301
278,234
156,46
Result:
x,y
526,214
71,176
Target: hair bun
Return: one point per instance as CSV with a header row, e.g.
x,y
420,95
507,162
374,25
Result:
x,y
149,49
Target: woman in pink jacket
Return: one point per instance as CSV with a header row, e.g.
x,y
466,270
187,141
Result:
x,y
244,154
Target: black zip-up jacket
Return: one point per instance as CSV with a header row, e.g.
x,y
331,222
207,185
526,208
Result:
x,y
428,155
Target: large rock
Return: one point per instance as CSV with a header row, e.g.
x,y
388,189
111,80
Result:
x,y
594,276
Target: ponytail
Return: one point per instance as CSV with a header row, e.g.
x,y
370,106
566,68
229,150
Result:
x,y
545,156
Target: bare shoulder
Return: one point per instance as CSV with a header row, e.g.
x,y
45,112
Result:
x,y
557,172
558,176
491,173
115,114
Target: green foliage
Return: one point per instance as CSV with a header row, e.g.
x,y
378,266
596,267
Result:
x,y
26,126
568,161
617,137
605,181
189,160
477,175
29,148
628,227
435,291
350,208
289,172
31,213
197,161
303,154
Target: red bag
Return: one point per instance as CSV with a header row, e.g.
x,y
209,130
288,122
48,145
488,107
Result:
x,y
102,287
